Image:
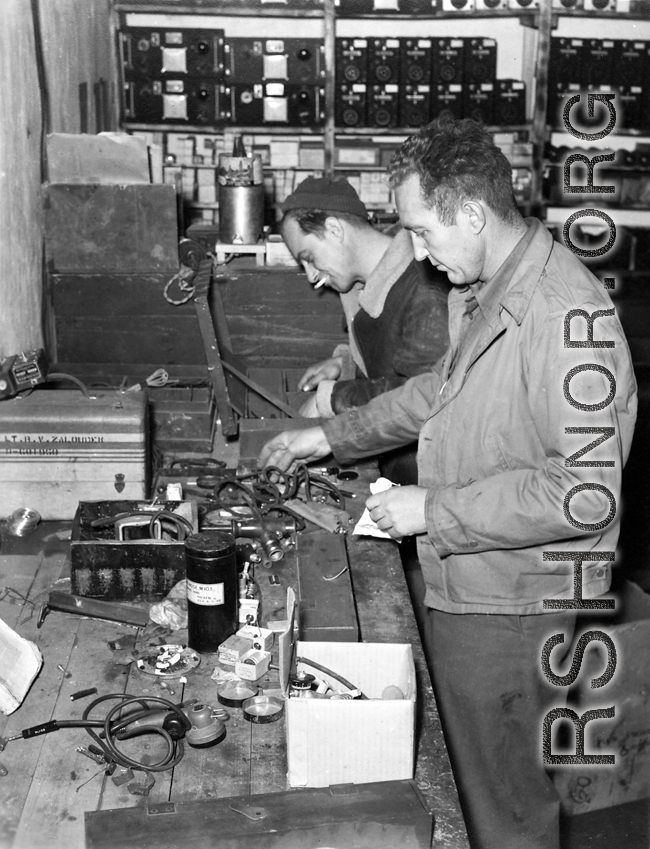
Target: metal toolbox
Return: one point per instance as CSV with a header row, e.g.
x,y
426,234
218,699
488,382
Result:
x,y
60,447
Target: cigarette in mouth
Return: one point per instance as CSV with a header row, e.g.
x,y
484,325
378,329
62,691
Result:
x,y
319,284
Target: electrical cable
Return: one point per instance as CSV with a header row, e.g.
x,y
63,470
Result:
x,y
183,526
43,91
113,727
175,748
329,672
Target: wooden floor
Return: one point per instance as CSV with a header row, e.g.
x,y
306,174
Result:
x,y
49,785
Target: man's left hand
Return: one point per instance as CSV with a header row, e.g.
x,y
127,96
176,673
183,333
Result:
x,y
400,510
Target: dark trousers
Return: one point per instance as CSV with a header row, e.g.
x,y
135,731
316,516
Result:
x,y
492,697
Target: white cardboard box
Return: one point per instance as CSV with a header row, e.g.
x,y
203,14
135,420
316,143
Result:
x,y
361,740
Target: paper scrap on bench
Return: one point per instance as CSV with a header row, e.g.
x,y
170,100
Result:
x,y
20,663
367,526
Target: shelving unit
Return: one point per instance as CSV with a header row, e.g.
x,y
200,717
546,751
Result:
x,y
327,23
526,46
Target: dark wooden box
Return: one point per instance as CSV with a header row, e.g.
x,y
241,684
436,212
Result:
x,y
97,228
183,418
381,815
123,570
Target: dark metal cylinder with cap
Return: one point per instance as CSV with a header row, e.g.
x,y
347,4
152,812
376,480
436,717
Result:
x,y
211,569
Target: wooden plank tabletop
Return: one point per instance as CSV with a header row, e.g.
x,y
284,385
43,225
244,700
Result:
x,y
49,785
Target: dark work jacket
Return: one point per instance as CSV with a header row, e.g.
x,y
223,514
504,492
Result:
x,y
407,338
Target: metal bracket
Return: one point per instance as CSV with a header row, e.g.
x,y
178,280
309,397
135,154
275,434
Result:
x,y
161,808
253,812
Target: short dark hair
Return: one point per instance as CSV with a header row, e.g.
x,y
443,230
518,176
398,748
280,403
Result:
x,y
313,220
456,160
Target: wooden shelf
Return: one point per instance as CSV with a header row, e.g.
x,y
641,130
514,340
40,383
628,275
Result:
x,y
621,216
172,7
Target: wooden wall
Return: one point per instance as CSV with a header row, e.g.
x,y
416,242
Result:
x,y
78,65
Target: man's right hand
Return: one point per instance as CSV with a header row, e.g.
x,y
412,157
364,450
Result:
x,y
327,370
292,446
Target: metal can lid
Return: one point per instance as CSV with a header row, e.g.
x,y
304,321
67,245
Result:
x,y
263,709
210,543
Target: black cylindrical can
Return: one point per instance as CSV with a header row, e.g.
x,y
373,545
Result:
x,y
211,568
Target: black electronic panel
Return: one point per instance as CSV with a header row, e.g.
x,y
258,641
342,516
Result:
x,y
383,61
447,97
291,60
276,104
173,101
415,105
480,63
598,61
351,60
416,61
631,62
383,108
557,99
354,7
630,108
351,106
509,103
478,102
447,60
414,7
154,53
565,63
306,59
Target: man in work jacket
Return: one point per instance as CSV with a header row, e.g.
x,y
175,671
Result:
x,y
503,504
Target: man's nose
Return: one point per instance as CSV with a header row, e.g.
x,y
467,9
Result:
x,y
310,271
420,251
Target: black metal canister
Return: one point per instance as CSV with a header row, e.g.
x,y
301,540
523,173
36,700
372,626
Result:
x,y
211,568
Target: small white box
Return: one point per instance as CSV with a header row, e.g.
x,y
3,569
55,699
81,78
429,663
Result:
x,y
207,194
233,649
206,177
339,741
253,665
261,638
277,253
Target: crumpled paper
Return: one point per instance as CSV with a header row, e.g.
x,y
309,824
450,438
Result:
x,y
367,526
172,610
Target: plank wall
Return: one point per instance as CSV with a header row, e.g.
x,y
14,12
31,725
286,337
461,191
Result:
x,y
79,97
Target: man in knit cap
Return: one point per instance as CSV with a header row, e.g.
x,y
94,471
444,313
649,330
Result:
x,y
396,308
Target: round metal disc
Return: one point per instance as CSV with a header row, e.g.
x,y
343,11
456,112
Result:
x,y
235,693
262,709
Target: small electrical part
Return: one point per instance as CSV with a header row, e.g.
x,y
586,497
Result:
x,y
22,371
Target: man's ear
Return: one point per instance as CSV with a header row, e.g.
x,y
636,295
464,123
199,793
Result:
x,y
334,227
475,216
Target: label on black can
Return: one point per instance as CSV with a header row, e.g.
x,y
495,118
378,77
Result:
x,y
208,595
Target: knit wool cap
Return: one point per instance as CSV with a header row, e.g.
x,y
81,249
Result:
x,y
326,194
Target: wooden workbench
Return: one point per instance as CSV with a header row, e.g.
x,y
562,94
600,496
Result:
x,y
44,795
